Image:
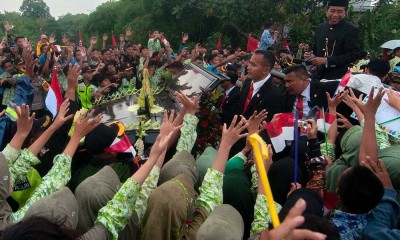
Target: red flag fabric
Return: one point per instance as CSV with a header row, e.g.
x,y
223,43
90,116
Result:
x,y
385,55
219,42
286,45
121,145
113,41
329,119
252,44
280,130
80,39
54,97
343,83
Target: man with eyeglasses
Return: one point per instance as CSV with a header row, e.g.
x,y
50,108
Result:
x,y
336,42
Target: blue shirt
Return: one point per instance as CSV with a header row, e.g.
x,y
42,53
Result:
x,y
266,40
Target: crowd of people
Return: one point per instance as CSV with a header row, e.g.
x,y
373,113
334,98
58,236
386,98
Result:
x,y
59,180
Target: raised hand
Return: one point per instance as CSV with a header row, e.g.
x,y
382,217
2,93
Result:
x,y
128,32
61,116
25,120
287,229
85,125
93,40
393,99
2,113
52,39
379,169
351,100
65,39
190,106
168,124
255,121
371,106
344,122
28,59
336,100
73,75
105,37
7,26
3,42
234,132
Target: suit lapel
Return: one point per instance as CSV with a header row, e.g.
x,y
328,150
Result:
x,y
260,94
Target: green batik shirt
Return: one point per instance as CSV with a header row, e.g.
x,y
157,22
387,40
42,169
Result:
x,y
382,140
115,215
188,133
154,44
211,190
262,216
55,179
20,168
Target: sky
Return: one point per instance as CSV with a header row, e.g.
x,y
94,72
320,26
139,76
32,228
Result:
x,y
57,7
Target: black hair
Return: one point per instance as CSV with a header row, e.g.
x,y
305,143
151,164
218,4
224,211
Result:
x,y
128,46
42,46
210,57
267,24
378,67
7,60
28,229
322,225
17,38
299,69
359,189
233,76
104,51
268,57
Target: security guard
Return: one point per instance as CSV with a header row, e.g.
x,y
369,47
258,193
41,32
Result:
x,y
86,91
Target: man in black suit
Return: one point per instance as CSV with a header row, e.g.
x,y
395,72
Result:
x,y
336,42
259,92
231,98
302,93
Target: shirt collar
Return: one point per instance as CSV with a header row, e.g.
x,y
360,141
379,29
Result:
x,y
306,92
257,85
229,90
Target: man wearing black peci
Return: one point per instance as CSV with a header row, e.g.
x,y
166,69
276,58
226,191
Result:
x,y
336,42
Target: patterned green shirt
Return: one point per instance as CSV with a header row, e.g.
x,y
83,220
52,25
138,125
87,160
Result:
x,y
211,190
262,217
154,44
115,215
23,165
188,133
55,179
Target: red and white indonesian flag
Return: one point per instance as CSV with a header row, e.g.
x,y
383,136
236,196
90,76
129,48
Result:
x,y
343,83
280,130
121,145
329,119
54,97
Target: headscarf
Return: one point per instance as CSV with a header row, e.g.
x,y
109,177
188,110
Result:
x,y
391,158
350,145
93,194
237,193
204,162
182,162
168,208
58,207
224,223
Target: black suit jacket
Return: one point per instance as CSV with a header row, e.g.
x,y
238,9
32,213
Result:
x,y
229,108
343,46
318,98
269,97
317,94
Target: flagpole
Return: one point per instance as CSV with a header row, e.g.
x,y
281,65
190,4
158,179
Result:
x,y
296,146
325,134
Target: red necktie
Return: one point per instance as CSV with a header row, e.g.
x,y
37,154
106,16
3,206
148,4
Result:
x,y
248,98
222,101
299,106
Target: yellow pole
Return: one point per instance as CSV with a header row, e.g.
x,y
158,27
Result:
x,y
261,151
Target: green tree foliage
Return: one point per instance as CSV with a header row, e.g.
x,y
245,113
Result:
x,y
35,9
204,20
